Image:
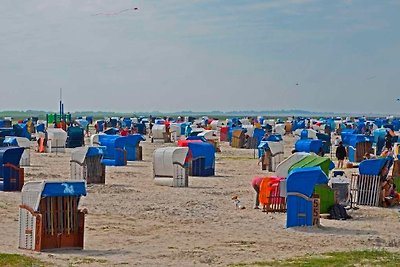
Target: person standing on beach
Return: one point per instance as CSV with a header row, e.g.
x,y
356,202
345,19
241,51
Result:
x,y
151,126
388,141
341,154
255,183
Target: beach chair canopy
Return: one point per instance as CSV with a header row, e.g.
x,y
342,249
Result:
x,y
17,141
304,180
308,145
134,139
354,139
111,131
208,134
158,130
314,161
111,142
11,155
282,170
164,158
64,189
196,138
82,123
80,153
205,150
371,166
32,192
57,135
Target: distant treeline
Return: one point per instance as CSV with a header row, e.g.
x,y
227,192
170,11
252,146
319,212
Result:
x,y
18,115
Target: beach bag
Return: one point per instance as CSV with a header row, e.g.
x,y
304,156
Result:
x,y
338,212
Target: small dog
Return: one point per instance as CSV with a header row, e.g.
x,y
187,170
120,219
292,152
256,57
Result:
x,y
237,203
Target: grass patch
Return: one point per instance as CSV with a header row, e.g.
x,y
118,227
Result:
x,y
339,259
11,260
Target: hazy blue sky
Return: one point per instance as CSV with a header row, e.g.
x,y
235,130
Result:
x,y
200,55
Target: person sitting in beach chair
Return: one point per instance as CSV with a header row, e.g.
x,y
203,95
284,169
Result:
x,y
369,156
390,196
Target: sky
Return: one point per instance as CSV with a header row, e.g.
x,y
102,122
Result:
x,y
200,55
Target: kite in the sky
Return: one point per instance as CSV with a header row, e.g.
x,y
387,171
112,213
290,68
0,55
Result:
x,y
116,13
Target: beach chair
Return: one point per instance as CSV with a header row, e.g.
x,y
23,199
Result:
x,y
133,148
238,139
20,142
49,217
115,153
365,187
169,166
303,206
11,174
270,197
56,140
202,160
86,165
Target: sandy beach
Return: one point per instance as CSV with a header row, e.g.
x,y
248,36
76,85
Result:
x,y
133,222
